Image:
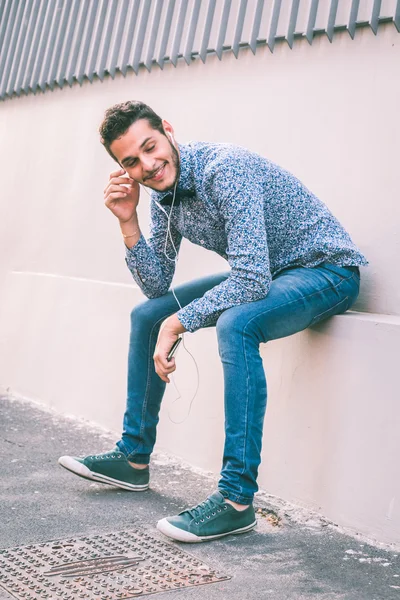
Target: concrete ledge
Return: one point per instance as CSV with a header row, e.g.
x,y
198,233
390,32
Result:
x,y
331,439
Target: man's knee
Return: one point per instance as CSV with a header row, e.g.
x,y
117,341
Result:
x,y
143,314
236,322
229,324
152,312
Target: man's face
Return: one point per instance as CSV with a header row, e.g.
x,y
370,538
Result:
x,y
147,155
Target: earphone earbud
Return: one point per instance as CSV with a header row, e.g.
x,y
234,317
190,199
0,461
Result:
x,y
171,137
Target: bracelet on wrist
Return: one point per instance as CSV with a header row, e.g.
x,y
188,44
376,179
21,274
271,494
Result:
x,y
131,235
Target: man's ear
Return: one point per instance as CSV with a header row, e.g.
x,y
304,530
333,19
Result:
x,y
169,130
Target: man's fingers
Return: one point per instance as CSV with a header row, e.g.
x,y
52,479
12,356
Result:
x,y
167,370
117,188
162,363
118,181
164,368
166,364
116,173
162,375
116,196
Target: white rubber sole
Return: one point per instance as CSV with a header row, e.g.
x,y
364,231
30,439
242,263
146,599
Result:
x,y
78,468
180,535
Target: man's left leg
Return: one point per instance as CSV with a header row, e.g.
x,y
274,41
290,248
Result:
x,y
298,298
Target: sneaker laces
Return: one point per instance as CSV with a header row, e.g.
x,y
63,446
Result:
x,y
205,510
116,453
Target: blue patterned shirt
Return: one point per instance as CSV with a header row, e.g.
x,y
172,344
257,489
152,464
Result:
x,y
250,211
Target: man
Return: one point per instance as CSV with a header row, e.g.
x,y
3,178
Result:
x,y
291,265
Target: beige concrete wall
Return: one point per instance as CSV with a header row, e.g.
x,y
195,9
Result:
x,y
328,113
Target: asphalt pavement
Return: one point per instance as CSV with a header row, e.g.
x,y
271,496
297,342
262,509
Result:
x,y
281,559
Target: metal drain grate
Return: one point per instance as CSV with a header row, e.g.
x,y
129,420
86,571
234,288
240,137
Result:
x,y
126,564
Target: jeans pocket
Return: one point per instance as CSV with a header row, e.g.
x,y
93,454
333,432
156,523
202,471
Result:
x,y
336,309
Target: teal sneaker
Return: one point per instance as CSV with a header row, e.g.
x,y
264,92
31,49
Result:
x,y
209,520
111,467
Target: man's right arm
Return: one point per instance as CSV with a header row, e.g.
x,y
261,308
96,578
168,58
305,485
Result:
x,y
121,196
150,267
130,231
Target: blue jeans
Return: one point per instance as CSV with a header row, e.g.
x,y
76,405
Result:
x,y
298,297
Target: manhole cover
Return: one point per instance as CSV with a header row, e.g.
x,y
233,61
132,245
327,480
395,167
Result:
x,y
126,564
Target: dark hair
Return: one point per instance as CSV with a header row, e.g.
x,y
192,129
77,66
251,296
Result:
x,y
120,117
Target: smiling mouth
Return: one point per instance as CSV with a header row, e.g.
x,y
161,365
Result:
x,y
157,174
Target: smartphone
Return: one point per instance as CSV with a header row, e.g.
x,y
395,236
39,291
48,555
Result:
x,y
174,349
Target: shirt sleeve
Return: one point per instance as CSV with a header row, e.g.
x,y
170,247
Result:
x,y
239,196
152,262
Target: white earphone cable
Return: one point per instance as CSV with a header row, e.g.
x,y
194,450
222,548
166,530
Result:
x,y
175,260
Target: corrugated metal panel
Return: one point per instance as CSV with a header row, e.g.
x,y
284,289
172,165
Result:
x,y
61,75
23,63
54,25
100,58
144,19
192,31
77,41
87,40
61,35
4,22
353,17
44,43
153,34
9,44
115,44
332,19
397,16
40,10
223,27
256,25
207,29
179,32
311,21
292,22
274,24
130,29
166,33
376,10
43,48
239,27
19,51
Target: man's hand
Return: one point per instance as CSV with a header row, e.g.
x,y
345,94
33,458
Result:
x,y
169,333
121,195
